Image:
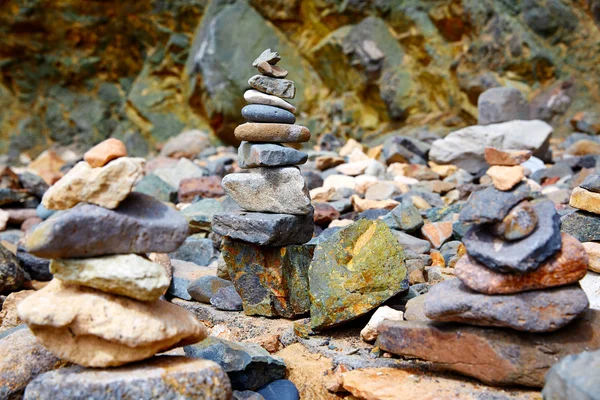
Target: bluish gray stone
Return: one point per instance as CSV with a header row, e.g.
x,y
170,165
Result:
x,y
37,268
575,377
582,225
200,214
492,205
33,183
252,155
205,287
153,186
404,217
264,113
265,229
591,183
281,389
43,212
501,104
248,365
227,299
196,249
410,242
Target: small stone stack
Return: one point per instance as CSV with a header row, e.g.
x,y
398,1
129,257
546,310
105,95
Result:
x,y
102,308
258,248
519,271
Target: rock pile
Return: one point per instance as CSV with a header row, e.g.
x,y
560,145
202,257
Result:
x,y
103,308
277,212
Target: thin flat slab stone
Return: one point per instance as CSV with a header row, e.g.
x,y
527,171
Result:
x,y
277,87
253,155
494,356
268,56
582,225
521,255
591,183
566,266
271,70
265,229
272,133
274,190
141,224
492,205
262,113
255,97
535,311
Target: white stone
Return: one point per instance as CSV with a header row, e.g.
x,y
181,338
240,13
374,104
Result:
x,y
255,97
383,313
591,286
339,182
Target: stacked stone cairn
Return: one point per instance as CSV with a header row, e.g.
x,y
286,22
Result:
x,y
103,307
262,242
520,272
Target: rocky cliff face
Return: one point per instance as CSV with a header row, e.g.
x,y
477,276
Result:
x,y
73,73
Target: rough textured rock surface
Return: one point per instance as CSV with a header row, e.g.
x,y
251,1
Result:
x,y
272,133
519,223
521,255
582,225
255,97
501,104
105,186
494,356
12,275
163,377
566,266
126,275
252,155
492,205
265,229
585,200
533,311
353,272
66,320
141,224
574,377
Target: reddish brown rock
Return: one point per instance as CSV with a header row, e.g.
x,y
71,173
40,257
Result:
x,y
324,214
494,356
30,223
271,70
437,233
272,133
325,162
104,152
204,186
567,266
17,216
494,156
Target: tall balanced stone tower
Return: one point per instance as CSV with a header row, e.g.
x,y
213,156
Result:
x,y
261,246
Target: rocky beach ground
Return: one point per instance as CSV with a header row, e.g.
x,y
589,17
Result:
x,y
425,267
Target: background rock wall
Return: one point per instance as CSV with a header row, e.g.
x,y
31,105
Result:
x,y
75,72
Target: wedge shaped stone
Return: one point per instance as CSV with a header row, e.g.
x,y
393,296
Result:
x,y
277,87
255,97
253,155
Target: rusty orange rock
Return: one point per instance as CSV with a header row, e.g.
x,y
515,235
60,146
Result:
x,y
204,186
437,233
494,156
104,152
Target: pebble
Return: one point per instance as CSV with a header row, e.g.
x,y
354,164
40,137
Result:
x,y
281,389
593,251
410,242
197,249
532,311
276,190
104,152
183,274
583,226
369,332
140,224
585,200
37,268
519,223
505,178
270,114
126,275
574,377
227,299
253,155
437,232
153,186
566,266
272,133
205,287
174,174
277,87
494,156
163,377
248,365
255,97
93,328
187,144
501,104
404,217
361,205
33,183
324,214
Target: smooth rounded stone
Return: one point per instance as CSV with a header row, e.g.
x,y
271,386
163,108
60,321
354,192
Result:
x,y
582,225
415,244
38,268
205,287
381,191
263,228
105,186
92,328
255,97
535,311
324,214
12,275
451,252
268,56
591,286
162,377
585,200
493,356
281,389
126,275
353,272
253,155
183,274
494,156
183,169
574,377
313,179
277,87
272,133
593,251
248,365
271,114
197,249
19,215
104,152
566,266
227,299
369,332
591,183
187,144
246,395
520,255
141,224
33,183
10,196
43,212
501,104
519,223
22,358
492,205
275,190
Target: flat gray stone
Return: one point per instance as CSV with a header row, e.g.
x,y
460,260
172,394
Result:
x,y
582,225
227,299
520,255
163,377
574,377
501,104
264,113
410,242
271,57
140,224
265,229
591,183
534,311
205,287
197,249
404,217
252,155
492,205
184,273
277,87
